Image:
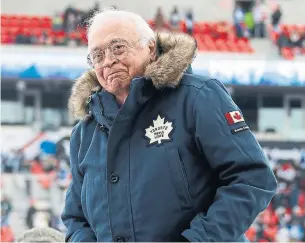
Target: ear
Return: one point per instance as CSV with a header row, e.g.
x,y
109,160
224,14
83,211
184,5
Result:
x,y
152,50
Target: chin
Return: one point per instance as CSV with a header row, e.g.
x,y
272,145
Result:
x,y
117,85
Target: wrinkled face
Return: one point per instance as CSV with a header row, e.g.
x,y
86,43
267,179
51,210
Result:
x,y
117,55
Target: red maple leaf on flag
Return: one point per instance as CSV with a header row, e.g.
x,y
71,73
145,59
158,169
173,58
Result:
x,y
237,116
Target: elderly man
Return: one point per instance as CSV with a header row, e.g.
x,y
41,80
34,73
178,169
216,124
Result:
x,y
160,154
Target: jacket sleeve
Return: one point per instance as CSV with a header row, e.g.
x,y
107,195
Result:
x,y
246,183
78,229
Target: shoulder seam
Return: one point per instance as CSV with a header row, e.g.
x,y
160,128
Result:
x,y
201,86
199,90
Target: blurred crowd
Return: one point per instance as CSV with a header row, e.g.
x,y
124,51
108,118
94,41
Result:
x,y
284,219
291,39
249,21
68,24
49,169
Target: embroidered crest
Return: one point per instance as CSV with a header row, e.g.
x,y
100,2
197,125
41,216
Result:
x,y
159,131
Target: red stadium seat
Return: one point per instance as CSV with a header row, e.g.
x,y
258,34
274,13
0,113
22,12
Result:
x,y
24,22
183,26
210,36
33,23
196,29
45,23
4,21
221,45
37,32
15,31
6,39
287,53
58,34
232,47
5,31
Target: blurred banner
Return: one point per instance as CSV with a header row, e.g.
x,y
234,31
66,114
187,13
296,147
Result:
x,y
61,63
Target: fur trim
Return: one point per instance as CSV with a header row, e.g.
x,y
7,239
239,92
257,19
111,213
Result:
x,y
42,235
81,90
178,52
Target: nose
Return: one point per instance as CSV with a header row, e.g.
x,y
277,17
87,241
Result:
x,y
109,60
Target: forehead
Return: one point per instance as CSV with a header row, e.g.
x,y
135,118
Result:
x,y
104,35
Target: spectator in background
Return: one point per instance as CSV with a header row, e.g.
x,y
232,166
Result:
x,y
36,166
23,37
6,208
28,185
63,178
249,24
282,234
57,22
70,11
94,9
302,156
284,219
259,16
238,19
6,165
296,232
42,40
276,17
283,41
297,39
189,21
61,40
160,20
30,214
6,234
71,23
17,155
175,19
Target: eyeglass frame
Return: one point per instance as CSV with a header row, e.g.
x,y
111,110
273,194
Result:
x,y
110,54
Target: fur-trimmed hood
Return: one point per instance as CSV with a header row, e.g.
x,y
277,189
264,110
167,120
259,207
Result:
x,y
42,235
177,53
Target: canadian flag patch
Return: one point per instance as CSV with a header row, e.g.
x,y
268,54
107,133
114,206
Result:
x,y
234,117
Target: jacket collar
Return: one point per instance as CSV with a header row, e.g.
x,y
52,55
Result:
x,y
177,52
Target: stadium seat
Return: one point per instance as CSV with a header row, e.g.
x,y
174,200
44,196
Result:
x,y
37,32
210,36
221,45
6,39
45,23
183,26
4,21
287,53
25,22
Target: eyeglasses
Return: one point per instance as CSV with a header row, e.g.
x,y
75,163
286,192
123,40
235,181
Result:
x,y
117,50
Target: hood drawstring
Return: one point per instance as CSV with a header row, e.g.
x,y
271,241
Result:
x,y
102,126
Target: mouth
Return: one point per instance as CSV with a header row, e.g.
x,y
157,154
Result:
x,y
113,75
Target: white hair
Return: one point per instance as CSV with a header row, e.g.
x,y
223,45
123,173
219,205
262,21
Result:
x,y
101,17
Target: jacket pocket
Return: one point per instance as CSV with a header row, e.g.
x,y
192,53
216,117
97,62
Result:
x,y
84,198
178,176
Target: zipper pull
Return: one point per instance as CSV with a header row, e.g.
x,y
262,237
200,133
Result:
x,y
104,128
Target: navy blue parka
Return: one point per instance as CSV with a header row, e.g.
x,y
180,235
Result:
x,y
176,162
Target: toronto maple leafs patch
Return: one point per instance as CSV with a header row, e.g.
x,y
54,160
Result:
x,y
159,131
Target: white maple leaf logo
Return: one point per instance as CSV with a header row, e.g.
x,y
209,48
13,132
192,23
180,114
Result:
x,y
160,131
